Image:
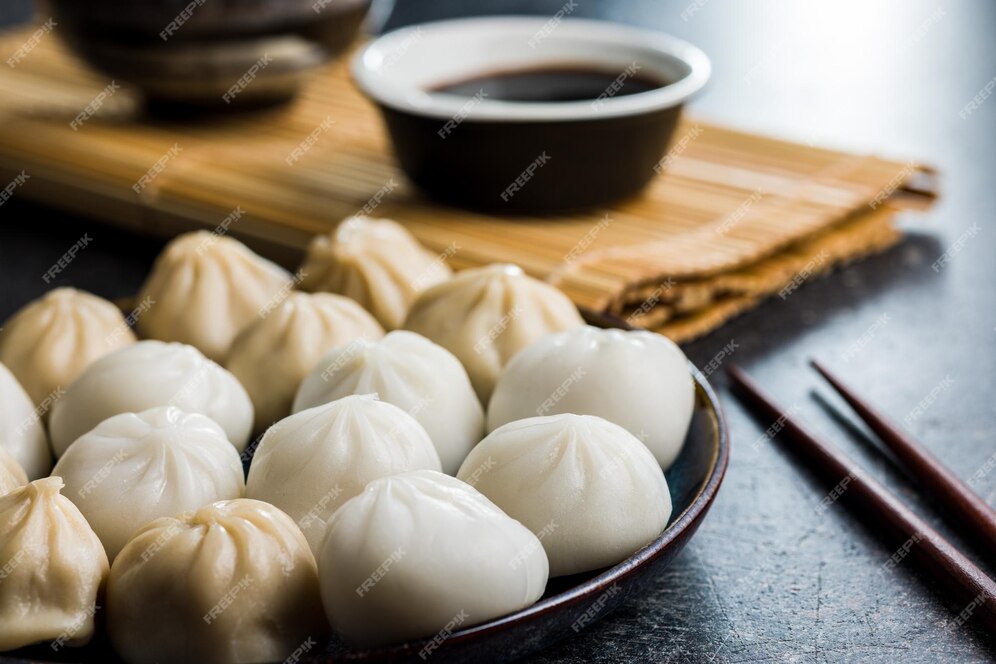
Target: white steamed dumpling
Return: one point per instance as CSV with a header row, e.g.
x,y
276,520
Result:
x,y
50,341
589,489
377,262
271,356
639,380
416,552
146,375
313,461
414,374
12,475
22,434
206,288
486,315
233,582
53,565
136,467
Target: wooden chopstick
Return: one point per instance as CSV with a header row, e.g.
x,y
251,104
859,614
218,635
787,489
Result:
x,y
929,549
977,519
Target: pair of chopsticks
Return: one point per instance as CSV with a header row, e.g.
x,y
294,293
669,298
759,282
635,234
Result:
x,y
938,557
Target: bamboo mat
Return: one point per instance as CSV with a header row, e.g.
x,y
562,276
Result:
x,y
735,218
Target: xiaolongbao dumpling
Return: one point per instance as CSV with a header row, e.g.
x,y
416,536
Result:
x,y
272,356
639,380
49,342
415,552
137,467
233,582
206,288
12,475
414,374
377,263
486,315
146,375
21,430
54,568
590,489
313,461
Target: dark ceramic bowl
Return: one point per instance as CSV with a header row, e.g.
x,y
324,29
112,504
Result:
x,y
194,52
525,156
571,603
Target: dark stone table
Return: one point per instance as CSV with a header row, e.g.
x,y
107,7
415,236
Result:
x,y
769,576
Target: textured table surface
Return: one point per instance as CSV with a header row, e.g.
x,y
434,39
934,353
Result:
x,y
770,576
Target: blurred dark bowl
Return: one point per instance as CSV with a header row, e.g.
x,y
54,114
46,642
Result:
x,y
209,53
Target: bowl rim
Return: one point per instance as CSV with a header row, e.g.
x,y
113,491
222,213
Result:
x,y
596,586
371,74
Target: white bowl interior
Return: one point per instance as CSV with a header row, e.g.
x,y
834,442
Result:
x,y
400,68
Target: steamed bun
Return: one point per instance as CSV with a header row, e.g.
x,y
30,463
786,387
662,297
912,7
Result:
x,y
639,380
54,568
414,374
486,315
206,288
233,582
21,432
377,263
136,467
313,461
416,552
591,490
145,375
49,342
272,356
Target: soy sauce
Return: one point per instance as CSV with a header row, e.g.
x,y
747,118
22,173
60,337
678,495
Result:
x,y
554,84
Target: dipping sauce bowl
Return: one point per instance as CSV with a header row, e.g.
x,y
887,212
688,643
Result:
x,y
520,115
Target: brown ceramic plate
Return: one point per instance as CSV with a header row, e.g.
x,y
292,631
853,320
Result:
x,y
570,603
